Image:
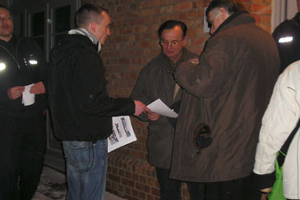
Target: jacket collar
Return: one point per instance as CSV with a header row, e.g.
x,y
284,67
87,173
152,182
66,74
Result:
x,y
169,65
85,32
233,20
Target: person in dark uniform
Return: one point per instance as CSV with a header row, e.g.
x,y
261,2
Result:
x,y
22,128
287,37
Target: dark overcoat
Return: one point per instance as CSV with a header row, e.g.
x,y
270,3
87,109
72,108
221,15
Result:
x,y
229,91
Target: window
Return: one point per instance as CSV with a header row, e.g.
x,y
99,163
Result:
x,y
46,21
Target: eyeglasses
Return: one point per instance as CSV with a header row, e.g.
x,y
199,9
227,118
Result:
x,y
173,43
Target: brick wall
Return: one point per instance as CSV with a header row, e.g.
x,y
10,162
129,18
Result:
x,y
132,44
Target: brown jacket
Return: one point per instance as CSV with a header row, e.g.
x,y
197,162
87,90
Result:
x,y
228,90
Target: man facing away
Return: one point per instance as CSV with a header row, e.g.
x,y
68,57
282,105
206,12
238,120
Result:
x,y
224,98
287,37
22,129
156,80
80,107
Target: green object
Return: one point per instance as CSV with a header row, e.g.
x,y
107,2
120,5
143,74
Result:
x,y
277,190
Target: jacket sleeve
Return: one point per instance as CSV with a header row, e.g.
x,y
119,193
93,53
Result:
x,y
208,77
279,120
92,90
139,93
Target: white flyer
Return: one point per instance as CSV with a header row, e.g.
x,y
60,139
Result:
x,y
161,108
122,133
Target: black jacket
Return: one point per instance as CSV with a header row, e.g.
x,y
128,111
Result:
x,y
80,106
16,70
288,51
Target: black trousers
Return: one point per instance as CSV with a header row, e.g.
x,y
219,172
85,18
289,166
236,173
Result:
x,y
239,189
170,189
22,147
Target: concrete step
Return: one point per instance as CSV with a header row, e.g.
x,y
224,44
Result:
x,y
52,186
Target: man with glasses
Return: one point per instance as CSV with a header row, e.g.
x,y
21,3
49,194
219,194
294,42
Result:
x,y
155,81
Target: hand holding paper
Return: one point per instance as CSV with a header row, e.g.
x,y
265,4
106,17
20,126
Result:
x,y
140,108
28,98
37,88
15,92
153,116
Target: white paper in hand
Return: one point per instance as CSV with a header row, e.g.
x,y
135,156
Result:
x,y
27,97
161,108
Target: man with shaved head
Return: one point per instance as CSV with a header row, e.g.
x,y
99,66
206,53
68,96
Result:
x,y
80,107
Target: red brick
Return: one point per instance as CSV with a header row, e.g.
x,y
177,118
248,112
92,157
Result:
x,y
261,8
183,7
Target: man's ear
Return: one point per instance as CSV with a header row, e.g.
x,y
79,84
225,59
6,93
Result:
x,y
92,26
224,13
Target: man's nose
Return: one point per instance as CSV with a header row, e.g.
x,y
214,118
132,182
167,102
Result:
x,y
3,20
169,45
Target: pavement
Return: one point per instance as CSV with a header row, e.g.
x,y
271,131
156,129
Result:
x,y
53,186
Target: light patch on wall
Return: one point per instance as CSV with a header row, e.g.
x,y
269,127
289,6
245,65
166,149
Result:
x,y
206,29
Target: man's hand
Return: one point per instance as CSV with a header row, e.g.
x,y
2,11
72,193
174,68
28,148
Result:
x,y
140,108
264,193
153,116
194,61
263,196
266,190
38,88
15,92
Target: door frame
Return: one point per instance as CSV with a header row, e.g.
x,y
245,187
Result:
x,y
54,154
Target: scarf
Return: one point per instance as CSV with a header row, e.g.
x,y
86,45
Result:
x,y
83,31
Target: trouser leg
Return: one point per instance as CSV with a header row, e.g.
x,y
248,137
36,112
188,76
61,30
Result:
x,y
170,189
10,144
32,154
86,169
196,191
239,189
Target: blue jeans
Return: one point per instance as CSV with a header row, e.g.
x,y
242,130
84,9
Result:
x,y
86,169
